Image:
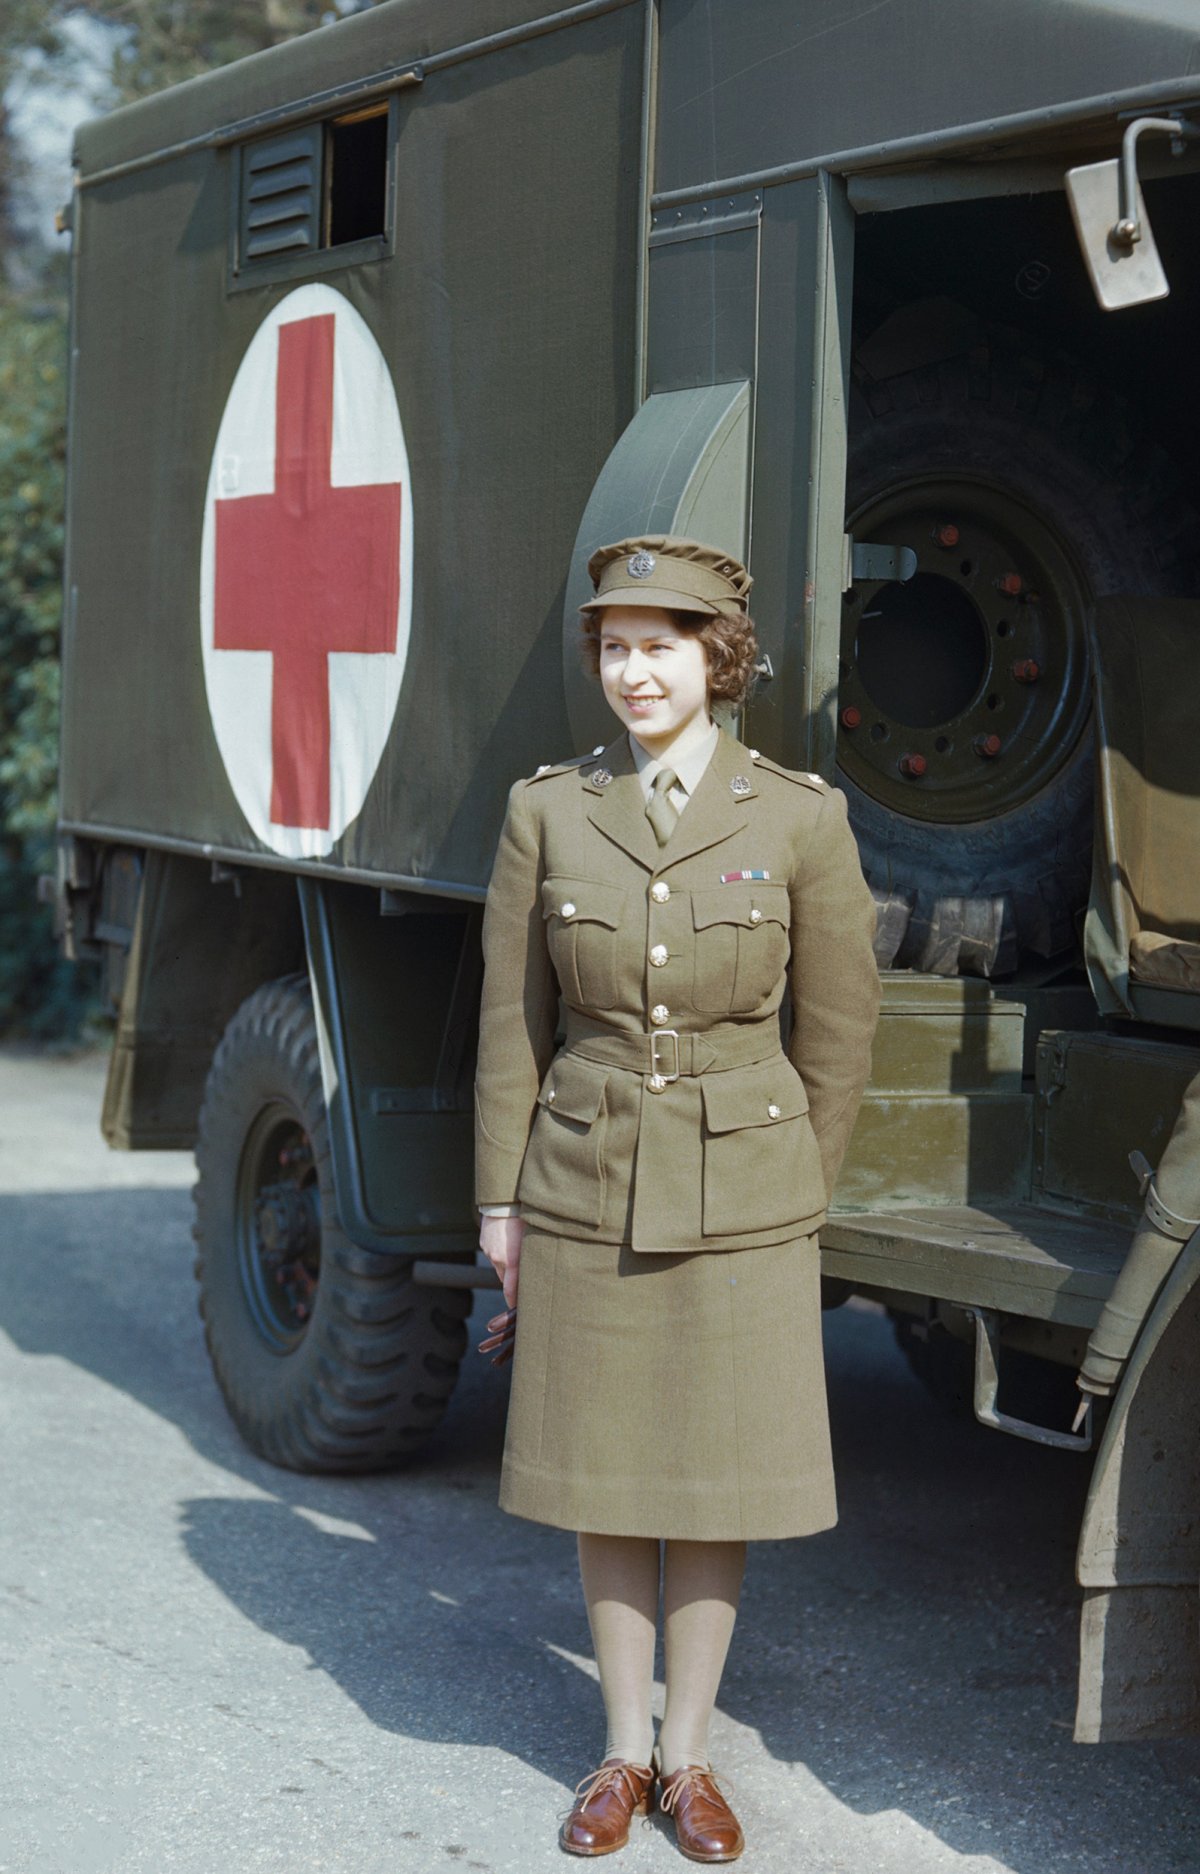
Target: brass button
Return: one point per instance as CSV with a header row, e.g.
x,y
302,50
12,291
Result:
x,y
659,955
568,909
656,1083
772,1111
756,916
660,891
550,1097
659,1014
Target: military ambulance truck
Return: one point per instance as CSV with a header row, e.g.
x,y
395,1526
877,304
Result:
x,y
374,337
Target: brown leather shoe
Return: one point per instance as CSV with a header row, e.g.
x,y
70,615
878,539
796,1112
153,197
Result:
x,y
706,1828
606,1802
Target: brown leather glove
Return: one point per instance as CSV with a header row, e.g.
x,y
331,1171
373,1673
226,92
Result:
x,y
501,1338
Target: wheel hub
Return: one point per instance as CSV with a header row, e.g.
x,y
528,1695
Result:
x,y
963,690
278,1228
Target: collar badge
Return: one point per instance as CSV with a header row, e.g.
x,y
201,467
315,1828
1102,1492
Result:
x,y
740,786
601,777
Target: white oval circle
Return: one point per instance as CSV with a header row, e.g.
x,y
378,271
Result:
x,y
306,589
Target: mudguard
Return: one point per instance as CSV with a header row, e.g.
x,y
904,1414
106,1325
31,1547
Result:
x,y
1139,1546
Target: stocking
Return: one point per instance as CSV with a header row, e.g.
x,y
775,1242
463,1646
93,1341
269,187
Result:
x,y
701,1583
620,1586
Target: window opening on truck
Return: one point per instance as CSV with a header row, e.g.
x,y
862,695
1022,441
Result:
x,y
356,176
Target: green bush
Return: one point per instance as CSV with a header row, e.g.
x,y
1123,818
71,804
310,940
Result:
x,y
40,994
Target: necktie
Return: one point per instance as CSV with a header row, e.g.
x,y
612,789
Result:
x,y
660,812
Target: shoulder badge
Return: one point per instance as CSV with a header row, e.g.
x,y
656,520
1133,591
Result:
x,y
797,775
560,767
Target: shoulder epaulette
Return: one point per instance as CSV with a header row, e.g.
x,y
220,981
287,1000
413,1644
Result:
x,y
564,767
797,775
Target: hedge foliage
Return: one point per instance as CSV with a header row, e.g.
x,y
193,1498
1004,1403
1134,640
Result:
x,y
40,994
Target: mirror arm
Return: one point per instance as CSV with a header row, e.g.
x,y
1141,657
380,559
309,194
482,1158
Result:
x,y
1128,228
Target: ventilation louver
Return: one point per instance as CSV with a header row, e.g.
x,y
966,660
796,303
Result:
x,y
280,204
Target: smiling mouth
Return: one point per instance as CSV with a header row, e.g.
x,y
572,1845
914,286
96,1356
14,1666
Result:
x,y
632,701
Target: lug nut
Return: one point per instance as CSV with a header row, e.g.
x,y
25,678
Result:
x,y
913,766
988,745
1027,670
946,535
851,717
1010,583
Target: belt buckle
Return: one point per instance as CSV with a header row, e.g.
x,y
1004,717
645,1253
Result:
x,y
658,1080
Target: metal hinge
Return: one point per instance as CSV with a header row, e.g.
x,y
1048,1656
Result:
x,y
863,561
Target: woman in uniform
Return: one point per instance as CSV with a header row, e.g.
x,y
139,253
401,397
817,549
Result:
x,y
654,1185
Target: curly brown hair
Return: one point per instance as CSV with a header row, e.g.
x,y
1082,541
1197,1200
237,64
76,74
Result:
x,y
730,649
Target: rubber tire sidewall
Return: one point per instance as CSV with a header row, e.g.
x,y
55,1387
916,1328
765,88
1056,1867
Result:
x,y
374,1371
1035,859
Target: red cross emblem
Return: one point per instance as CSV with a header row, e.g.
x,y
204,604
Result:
x,y
305,571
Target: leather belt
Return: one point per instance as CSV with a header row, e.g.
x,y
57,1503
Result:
x,y
666,1054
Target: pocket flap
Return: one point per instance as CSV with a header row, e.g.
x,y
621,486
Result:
x,y
746,903
583,901
574,1088
762,1095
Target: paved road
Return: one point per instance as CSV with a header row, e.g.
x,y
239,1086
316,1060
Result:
x,y
213,1667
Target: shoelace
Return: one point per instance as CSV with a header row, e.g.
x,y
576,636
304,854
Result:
x,y
688,1777
604,1778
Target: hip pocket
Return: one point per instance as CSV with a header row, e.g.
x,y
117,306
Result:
x,y
762,1168
563,1169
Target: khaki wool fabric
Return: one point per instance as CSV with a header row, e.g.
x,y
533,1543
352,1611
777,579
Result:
x,y
667,570
656,1390
745,1152
675,1396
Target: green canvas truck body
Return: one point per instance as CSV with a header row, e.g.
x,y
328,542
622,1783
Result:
x,y
374,337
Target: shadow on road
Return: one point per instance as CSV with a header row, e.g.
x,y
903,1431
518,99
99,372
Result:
x,y
919,1658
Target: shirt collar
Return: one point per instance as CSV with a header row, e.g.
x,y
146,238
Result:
x,y
689,766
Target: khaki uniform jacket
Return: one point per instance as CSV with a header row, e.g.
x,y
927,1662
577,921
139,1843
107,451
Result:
x,y
744,1146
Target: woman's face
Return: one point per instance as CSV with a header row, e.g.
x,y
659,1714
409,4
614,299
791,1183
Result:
x,y
655,676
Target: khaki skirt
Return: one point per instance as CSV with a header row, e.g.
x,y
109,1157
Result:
x,y
669,1395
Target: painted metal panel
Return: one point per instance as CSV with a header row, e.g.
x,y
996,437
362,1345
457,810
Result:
x,y
385,39
703,324
510,336
746,88
679,468
799,473
1139,1546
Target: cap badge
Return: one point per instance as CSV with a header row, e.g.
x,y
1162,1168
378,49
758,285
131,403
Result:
x,y
601,777
739,786
642,564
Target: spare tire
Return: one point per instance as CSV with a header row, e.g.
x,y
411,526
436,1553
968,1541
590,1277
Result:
x,y
964,692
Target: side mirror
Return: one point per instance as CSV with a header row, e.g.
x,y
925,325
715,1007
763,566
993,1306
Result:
x,y
1111,222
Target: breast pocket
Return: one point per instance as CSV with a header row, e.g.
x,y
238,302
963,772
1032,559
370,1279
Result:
x,y
741,939
563,1171
582,920
762,1167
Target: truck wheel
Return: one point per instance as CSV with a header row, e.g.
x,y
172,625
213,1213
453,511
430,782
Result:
x,y
964,692
329,1358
